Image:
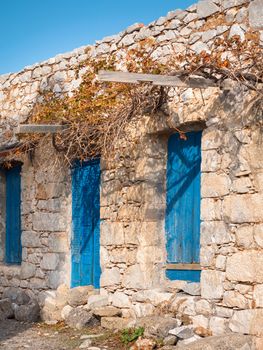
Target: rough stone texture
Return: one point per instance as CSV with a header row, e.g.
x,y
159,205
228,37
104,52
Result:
x,y
247,322
157,325
255,11
79,318
245,266
79,295
28,312
133,187
229,342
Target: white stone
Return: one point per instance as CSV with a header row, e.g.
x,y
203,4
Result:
x,y
120,299
143,309
199,47
234,299
256,14
247,322
214,232
210,209
217,325
212,284
27,270
258,295
258,234
236,30
214,185
66,311
245,266
110,277
48,222
50,261
200,321
206,8
244,236
203,307
95,301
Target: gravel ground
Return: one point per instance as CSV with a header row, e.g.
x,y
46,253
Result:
x,y
16,335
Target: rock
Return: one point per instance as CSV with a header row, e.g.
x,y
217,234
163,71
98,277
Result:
x,y
255,11
247,322
143,309
87,343
228,341
143,344
27,270
79,318
50,261
157,325
258,295
91,336
236,30
234,299
110,277
202,332
218,325
16,296
212,284
192,288
66,311
199,47
183,332
116,323
206,8
120,299
153,296
245,266
28,313
170,340
6,309
203,307
214,185
95,301
79,295
107,311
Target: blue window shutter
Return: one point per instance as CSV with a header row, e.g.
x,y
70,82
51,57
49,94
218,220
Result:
x,y
182,223
13,248
85,244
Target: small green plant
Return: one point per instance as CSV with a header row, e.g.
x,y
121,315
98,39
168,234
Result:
x,y
129,335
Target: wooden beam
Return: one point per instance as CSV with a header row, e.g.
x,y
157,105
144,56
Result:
x,y
155,79
39,128
183,267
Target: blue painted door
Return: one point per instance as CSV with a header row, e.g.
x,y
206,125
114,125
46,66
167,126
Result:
x,y
85,244
183,204
13,248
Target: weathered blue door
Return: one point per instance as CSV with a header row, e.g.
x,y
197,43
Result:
x,y
85,245
13,248
183,205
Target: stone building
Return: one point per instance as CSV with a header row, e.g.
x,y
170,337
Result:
x,y
145,213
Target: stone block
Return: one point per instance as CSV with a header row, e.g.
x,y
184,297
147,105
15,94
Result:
x,y
157,326
121,300
255,11
30,239
211,160
245,266
192,288
50,261
6,310
244,236
79,318
183,332
218,325
107,311
79,295
66,311
203,307
95,301
27,270
206,8
243,208
214,185
258,295
234,299
116,323
27,313
142,310
53,222
153,296
212,284
210,209
247,322
258,235
110,277
112,233
58,242
214,232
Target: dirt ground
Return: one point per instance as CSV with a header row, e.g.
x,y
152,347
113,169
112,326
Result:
x,y
19,336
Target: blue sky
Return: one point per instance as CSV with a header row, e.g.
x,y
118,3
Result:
x,y
34,30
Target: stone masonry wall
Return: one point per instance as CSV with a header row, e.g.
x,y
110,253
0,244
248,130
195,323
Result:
x,y
133,252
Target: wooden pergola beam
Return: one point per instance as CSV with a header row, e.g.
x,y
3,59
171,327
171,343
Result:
x,y
39,128
155,79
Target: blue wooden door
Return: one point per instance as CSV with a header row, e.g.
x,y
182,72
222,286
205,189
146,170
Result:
x,y
183,204
13,248
85,244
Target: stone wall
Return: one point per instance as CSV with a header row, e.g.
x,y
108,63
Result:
x,y
133,195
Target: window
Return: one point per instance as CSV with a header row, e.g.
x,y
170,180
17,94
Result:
x,y
182,223
11,215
